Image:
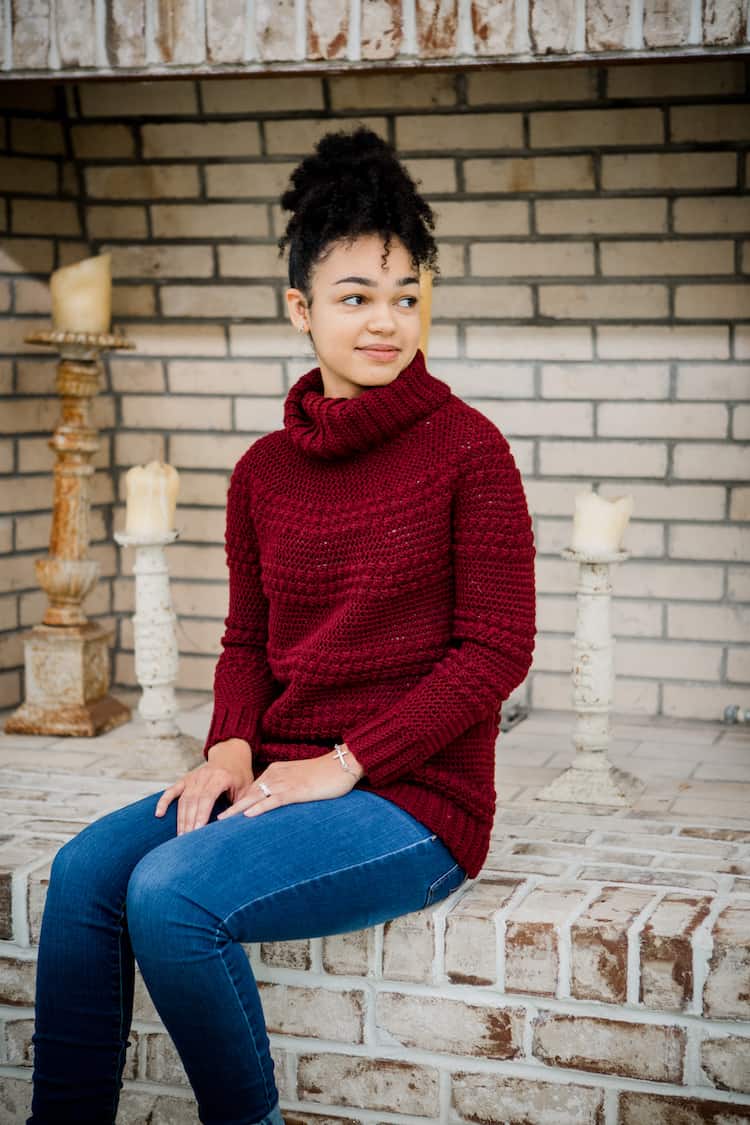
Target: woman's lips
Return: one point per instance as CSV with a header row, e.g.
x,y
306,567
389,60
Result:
x,y
380,353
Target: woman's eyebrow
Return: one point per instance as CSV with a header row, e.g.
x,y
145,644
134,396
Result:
x,y
367,281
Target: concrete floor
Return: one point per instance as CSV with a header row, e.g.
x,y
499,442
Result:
x,y
696,795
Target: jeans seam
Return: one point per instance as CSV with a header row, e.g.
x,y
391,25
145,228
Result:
x,y
301,883
441,878
123,1048
251,1033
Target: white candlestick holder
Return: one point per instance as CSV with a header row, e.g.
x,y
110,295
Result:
x,y
592,779
155,641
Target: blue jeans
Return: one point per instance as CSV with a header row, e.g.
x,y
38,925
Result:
x,y
127,888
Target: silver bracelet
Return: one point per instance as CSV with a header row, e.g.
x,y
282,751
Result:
x,y
340,750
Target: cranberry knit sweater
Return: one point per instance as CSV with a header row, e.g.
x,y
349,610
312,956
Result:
x,y
381,594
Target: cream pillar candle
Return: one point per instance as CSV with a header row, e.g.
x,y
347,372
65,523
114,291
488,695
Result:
x,y
82,295
599,524
151,498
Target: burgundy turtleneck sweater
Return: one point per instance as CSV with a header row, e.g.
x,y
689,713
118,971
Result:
x,y
381,594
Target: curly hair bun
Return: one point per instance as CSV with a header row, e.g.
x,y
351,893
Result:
x,y
356,155
353,184
347,147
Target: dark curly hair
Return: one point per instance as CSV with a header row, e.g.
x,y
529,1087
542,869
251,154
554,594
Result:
x,y
353,184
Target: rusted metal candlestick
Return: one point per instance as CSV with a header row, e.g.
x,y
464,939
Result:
x,y
66,656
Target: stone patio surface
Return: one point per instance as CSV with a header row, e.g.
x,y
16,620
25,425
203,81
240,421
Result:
x,y
697,785
688,831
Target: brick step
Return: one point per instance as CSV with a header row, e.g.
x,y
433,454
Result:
x,y
597,972
569,1001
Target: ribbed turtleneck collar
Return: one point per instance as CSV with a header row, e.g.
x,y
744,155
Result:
x,y
330,427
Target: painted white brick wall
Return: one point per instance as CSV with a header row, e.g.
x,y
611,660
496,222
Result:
x,y
593,302
148,37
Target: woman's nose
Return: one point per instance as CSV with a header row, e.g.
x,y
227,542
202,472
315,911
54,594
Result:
x,y
382,316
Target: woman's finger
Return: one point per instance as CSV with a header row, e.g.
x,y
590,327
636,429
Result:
x,y
167,797
198,811
188,808
272,802
252,795
242,803
238,806
278,797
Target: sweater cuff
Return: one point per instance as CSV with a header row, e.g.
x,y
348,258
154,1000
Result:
x,y
466,687
233,720
385,754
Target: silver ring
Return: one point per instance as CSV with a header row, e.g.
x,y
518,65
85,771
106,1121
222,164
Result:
x,y
262,785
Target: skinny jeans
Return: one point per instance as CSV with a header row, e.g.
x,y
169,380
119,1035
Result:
x,y
128,889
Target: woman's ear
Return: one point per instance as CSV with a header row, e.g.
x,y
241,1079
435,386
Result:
x,y
297,306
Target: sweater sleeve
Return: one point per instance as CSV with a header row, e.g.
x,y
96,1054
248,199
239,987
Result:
x,y
244,685
494,622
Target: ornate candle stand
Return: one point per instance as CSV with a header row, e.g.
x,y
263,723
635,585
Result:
x,y
592,779
155,640
66,656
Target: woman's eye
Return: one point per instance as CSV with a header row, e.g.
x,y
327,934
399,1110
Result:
x,y
359,297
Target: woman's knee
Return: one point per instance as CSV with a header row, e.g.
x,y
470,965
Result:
x,y
82,859
163,906
150,899
103,848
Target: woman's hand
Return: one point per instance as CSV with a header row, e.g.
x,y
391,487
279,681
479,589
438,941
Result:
x,y
312,779
229,768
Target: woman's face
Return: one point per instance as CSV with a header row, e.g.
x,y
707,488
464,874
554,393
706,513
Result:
x,y
356,302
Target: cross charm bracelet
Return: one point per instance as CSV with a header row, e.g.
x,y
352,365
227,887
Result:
x,y
339,752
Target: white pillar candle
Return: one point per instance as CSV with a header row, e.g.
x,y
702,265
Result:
x,y
599,524
151,498
82,295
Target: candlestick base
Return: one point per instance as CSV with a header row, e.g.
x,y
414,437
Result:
x,y
603,785
67,681
149,754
